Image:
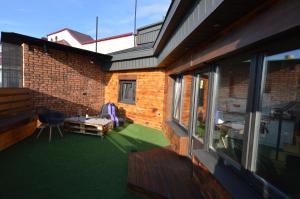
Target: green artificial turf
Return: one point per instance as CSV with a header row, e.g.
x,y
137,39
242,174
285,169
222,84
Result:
x,y
75,166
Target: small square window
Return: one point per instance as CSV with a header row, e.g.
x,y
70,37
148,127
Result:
x,y
127,91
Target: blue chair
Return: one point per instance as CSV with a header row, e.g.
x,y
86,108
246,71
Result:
x,y
51,118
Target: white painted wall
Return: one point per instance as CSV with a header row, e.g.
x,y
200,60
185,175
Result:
x,y
65,35
104,47
111,45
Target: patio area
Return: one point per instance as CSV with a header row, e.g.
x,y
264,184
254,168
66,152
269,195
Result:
x,y
75,166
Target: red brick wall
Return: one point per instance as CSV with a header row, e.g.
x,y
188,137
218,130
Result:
x,y
63,81
148,107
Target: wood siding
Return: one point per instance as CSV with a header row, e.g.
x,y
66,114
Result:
x,y
148,107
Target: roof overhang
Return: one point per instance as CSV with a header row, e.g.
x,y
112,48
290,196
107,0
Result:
x,y
196,24
190,24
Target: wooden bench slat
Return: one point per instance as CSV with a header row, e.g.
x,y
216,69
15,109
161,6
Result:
x,y
16,111
4,107
11,99
13,91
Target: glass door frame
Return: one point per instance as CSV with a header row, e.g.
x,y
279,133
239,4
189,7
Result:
x,y
194,105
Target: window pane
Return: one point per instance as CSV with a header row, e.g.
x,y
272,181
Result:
x,y
202,106
11,65
278,158
201,111
230,113
177,98
127,91
186,100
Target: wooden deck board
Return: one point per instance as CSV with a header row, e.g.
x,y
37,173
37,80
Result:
x,y
161,173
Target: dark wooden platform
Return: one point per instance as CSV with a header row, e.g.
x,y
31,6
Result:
x,y
161,173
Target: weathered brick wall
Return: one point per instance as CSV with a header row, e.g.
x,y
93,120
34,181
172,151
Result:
x,y
63,81
148,107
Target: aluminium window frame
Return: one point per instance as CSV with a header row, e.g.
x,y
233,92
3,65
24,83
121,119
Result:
x,y
178,121
194,105
252,124
265,187
255,88
121,82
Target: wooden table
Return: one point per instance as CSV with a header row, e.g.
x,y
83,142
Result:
x,y
89,126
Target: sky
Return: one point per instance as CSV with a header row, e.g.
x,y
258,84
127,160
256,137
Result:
x,y
37,18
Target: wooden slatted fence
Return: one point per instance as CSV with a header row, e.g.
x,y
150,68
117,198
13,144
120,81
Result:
x,y
15,102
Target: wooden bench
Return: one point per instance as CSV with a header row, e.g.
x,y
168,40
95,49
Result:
x,y
17,118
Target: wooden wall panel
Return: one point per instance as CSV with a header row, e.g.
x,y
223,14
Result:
x,y
17,134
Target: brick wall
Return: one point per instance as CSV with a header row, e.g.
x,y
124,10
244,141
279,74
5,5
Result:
x,y
148,107
63,81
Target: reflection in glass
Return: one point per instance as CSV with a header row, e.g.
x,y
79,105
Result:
x,y
201,109
278,158
186,101
202,106
230,113
177,98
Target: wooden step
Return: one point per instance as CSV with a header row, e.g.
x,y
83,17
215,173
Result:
x,y
161,173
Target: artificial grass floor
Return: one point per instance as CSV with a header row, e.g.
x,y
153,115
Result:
x,y
75,166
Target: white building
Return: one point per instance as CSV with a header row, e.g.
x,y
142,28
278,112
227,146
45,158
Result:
x,y
76,39
111,44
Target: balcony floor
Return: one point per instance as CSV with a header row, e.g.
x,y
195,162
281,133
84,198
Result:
x,y
76,166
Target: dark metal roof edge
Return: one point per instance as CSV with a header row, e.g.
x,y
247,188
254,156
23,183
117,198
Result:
x,y
18,39
133,49
161,32
133,55
150,25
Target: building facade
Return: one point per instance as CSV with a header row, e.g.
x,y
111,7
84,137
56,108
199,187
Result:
x,y
106,45
222,86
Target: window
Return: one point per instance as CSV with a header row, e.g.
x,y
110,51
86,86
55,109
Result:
x,y
177,98
199,110
11,65
230,111
182,100
202,87
186,101
278,153
127,91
